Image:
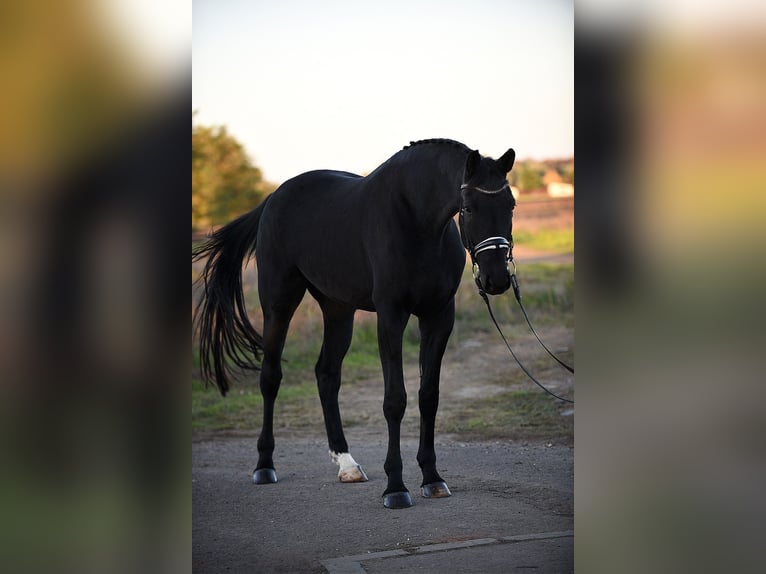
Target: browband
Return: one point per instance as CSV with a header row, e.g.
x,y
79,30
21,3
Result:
x,y
488,191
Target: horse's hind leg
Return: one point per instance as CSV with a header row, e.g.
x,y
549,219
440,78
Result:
x,y
278,305
338,328
434,333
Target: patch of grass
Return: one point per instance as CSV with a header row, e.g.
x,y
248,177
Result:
x,y
547,291
512,415
242,408
559,240
362,359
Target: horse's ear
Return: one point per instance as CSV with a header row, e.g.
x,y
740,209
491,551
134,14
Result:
x,y
471,165
506,162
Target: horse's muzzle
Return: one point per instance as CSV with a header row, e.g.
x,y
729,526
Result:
x,y
492,278
495,284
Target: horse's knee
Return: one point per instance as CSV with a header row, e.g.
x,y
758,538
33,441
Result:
x,y
394,405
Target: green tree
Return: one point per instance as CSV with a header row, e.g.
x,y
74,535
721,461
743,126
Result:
x,y
225,183
529,177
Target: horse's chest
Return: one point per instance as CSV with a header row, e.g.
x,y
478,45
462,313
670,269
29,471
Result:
x,y
433,282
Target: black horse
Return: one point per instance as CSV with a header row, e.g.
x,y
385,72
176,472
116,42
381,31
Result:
x,y
387,243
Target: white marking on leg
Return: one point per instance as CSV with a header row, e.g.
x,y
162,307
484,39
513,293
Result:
x,y
349,471
343,459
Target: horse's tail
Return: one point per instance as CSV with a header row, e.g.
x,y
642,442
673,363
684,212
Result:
x,y
226,335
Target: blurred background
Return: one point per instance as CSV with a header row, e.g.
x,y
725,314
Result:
x,y
93,327
670,145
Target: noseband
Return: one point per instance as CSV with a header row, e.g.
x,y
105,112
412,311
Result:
x,y
487,244
492,243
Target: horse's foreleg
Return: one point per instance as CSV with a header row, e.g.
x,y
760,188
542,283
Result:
x,y
338,329
391,324
434,333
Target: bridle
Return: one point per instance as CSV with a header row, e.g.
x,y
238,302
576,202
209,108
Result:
x,y
498,242
488,244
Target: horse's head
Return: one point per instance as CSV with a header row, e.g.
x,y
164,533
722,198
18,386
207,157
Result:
x,y
486,219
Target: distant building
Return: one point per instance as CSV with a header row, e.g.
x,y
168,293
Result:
x,y
559,189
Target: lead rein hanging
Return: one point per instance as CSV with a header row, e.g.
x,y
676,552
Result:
x,y
518,362
517,293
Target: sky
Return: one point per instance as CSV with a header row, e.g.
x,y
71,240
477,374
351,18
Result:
x,y
338,84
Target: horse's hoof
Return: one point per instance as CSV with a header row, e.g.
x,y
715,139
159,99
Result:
x,y
264,476
435,490
397,500
352,474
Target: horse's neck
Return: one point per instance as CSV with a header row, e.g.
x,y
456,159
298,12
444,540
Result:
x,y
432,190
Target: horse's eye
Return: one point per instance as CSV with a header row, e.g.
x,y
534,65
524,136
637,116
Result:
x,y
467,210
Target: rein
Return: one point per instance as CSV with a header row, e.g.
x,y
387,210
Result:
x,y
503,243
523,368
517,293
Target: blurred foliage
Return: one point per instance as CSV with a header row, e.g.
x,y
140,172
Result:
x,y
225,183
529,175
567,172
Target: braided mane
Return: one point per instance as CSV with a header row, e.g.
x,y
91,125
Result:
x,y
444,141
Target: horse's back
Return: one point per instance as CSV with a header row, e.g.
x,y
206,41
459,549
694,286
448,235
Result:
x,y
311,191
319,181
